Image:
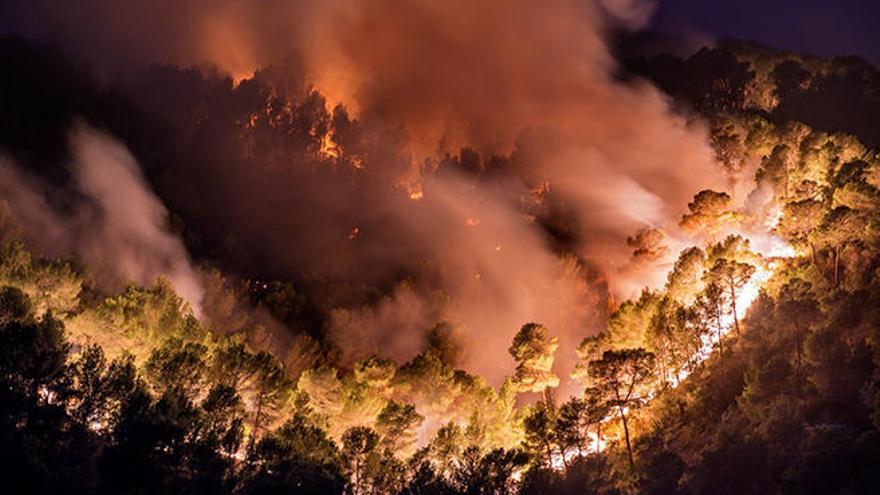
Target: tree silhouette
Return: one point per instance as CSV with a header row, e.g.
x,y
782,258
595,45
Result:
x,y
396,424
711,306
540,430
799,310
840,227
533,348
359,444
733,276
799,220
710,212
297,458
623,376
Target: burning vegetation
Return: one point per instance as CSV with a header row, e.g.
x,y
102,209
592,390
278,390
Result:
x,y
442,261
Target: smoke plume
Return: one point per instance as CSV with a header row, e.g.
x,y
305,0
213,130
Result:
x,y
531,82
115,225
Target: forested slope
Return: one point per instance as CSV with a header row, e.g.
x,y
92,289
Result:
x,y
133,390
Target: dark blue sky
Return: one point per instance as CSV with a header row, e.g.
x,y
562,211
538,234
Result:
x,y
821,27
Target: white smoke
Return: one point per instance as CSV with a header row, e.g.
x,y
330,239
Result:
x,y
118,228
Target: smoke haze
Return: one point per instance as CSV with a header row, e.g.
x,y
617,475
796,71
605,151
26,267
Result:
x,y
532,82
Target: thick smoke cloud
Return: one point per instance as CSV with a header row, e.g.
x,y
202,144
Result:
x,y
236,35
426,78
115,224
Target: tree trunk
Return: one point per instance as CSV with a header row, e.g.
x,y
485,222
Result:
x,y
598,436
629,451
836,265
720,331
357,477
259,411
733,306
675,364
798,360
813,255
549,453
663,372
786,181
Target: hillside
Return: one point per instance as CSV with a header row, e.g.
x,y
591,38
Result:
x,y
751,367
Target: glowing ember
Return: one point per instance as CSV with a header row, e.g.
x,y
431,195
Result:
x,y
329,149
594,445
416,193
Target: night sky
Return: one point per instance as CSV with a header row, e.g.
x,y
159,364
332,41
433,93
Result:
x,y
821,27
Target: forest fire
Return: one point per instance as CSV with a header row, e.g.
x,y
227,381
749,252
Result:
x,y
328,149
744,299
405,246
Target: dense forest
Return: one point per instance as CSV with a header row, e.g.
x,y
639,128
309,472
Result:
x,y
755,367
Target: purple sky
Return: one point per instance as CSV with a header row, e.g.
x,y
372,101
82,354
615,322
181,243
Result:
x,y
821,27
